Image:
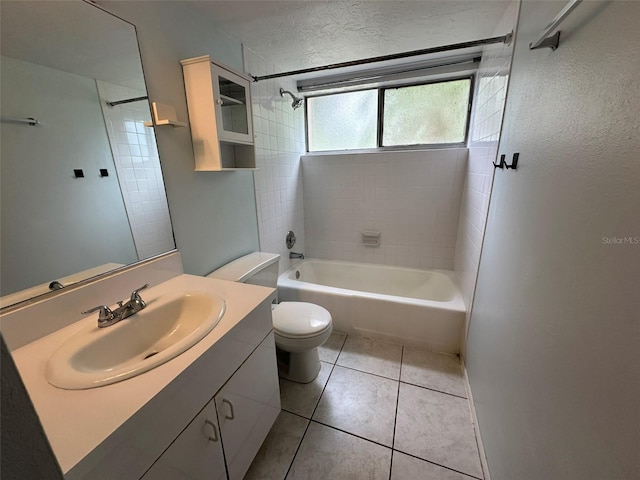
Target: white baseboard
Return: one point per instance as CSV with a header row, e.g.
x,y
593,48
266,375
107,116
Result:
x,y
472,408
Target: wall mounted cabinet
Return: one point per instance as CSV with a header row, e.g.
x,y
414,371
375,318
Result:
x,y
220,116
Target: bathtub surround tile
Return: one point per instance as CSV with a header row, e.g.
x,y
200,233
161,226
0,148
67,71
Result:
x,y
359,403
371,356
331,349
277,451
326,453
437,427
280,133
302,398
405,467
408,196
433,370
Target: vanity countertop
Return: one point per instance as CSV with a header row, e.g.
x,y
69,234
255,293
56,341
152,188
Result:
x,y
78,421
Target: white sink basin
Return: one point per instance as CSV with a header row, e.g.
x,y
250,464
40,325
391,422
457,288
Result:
x,y
169,325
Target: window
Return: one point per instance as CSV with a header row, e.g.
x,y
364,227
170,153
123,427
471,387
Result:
x,y
427,114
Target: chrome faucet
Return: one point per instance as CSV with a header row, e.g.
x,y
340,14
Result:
x,y
296,255
108,317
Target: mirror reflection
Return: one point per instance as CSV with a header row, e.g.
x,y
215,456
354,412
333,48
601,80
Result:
x,y
82,191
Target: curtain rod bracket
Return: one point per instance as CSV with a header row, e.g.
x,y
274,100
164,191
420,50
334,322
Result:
x,y
545,39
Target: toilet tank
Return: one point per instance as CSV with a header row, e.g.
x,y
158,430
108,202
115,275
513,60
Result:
x,y
258,268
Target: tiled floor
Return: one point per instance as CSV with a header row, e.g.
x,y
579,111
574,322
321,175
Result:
x,y
377,410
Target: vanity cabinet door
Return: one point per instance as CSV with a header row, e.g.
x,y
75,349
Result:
x,y
247,406
195,454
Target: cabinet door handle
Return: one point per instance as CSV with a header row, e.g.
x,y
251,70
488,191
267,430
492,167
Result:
x,y
224,400
213,438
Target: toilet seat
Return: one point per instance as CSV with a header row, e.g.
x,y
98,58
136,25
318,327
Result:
x,y
300,320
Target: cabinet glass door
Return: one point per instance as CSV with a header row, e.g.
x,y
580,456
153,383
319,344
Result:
x,y
233,103
233,106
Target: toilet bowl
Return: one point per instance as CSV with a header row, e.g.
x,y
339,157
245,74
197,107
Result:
x,y
299,327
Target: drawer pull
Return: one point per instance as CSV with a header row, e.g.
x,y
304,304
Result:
x,y
224,400
213,438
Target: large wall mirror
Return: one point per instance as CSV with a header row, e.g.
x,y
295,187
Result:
x,y
82,191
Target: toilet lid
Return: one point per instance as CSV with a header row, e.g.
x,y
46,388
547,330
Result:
x,y
300,319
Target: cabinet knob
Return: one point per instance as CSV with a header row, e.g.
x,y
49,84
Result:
x,y
211,432
219,101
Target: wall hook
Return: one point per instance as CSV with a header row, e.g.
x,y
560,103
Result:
x,y
503,164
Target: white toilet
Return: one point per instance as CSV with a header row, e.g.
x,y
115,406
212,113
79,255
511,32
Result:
x,y
299,327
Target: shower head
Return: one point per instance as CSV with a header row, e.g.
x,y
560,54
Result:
x,y
297,101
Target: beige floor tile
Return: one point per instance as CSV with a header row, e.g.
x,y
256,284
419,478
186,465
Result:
x,y
371,356
404,467
328,454
359,403
277,451
302,398
432,370
437,427
331,348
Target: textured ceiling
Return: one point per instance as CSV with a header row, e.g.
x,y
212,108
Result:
x,y
300,34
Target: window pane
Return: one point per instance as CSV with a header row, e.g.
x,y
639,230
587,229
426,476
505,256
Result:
x,y
345,121
423,114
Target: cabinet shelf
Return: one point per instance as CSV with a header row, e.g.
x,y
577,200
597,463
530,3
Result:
x,y
226,99
164,115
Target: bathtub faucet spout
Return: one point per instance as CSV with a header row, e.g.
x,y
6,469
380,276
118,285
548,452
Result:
x,y
296,255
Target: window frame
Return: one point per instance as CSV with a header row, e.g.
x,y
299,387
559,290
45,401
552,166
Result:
x,y
380,117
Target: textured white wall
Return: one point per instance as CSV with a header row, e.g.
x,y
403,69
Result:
x,y
411,197
552,352
279,135
486,120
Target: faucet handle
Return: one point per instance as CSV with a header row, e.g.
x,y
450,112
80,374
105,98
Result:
x,y
105,313
135,296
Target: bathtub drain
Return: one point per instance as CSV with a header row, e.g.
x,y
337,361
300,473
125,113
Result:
x,y
297,274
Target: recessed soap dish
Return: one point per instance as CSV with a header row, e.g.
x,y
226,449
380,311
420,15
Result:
x,y
370,238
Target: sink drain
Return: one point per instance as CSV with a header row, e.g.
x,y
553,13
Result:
x,y
150,355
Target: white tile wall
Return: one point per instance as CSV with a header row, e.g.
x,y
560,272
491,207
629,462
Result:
x,y
138,168
279,136
486,121
411,197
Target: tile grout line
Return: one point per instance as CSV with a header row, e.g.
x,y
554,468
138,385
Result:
x,y
406,383
352,434
438,464
314,410
395,418
434,390
368,373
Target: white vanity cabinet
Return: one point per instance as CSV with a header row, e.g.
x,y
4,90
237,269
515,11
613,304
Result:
x,y
196,453
220,116
247,406
244,408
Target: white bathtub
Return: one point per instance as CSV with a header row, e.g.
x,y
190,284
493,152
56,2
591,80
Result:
x,y
403,305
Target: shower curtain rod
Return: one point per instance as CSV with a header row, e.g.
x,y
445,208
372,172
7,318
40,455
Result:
x,y
444,48
128,100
